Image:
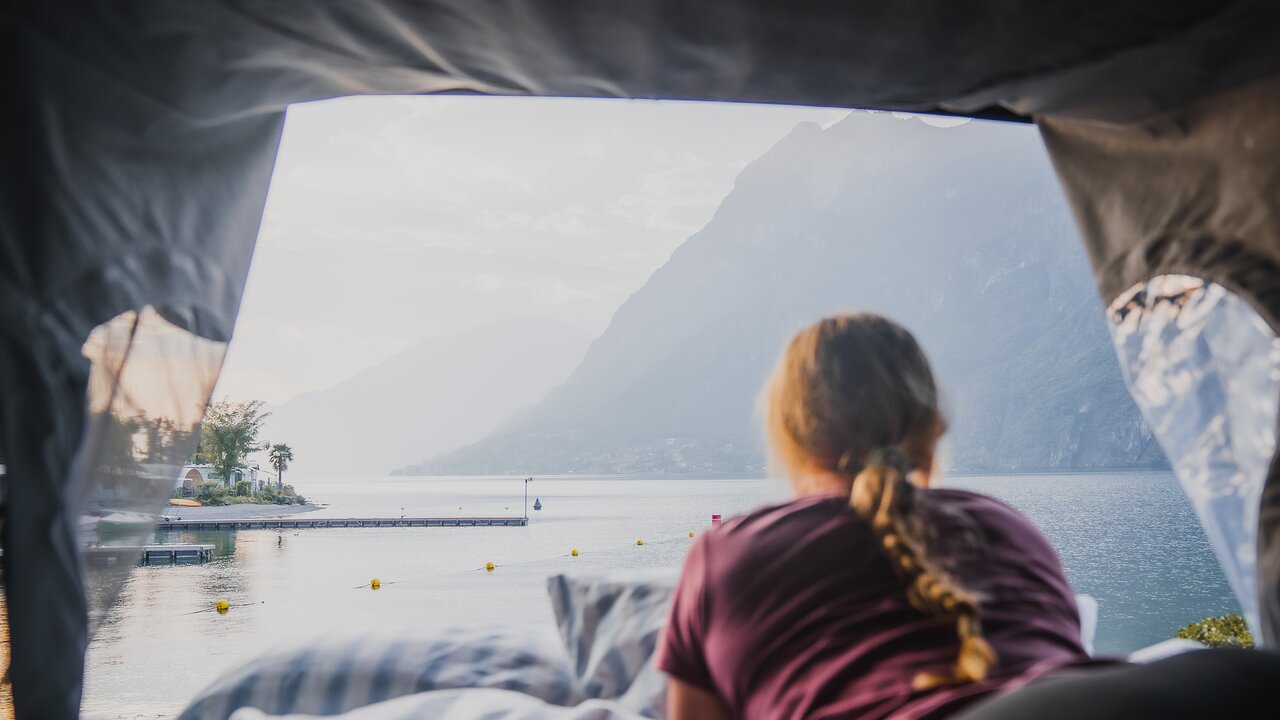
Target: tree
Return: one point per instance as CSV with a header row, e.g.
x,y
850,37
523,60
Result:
x,y
229,434
281,455
112,442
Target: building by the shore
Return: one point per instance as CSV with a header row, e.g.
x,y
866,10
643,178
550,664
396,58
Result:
x,y
192,475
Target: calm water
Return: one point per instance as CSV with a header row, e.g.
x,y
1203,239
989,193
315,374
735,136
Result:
x,y
1132,541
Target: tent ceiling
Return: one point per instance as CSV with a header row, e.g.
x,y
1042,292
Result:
x,y
1117,59
130,107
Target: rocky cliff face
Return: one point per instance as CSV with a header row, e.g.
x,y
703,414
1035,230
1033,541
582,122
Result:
x,y
959,233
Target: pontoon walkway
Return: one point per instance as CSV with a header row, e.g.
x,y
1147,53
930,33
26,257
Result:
x,y
306,522
175,553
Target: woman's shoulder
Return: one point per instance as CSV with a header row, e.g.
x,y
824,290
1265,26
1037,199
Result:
x,y
970,498
773,516
782,527
812,519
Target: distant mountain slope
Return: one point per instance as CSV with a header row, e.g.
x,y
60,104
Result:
x,y
959,233
429,399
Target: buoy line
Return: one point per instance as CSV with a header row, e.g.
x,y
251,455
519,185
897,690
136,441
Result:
x,y
575,552
491,566
222,607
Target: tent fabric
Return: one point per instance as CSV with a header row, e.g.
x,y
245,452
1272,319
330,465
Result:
x,y
1194,192
139,140
41,412
1201,364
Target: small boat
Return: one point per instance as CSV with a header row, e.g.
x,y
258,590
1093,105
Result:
x,y
537,504
124,522
183,502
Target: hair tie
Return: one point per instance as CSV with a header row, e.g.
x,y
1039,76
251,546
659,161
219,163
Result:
x,y
890,455
887,455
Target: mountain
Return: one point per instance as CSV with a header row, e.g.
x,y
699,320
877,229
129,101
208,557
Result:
x,y
434,397
959,233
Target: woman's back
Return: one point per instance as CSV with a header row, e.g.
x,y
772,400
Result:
x,y
793,611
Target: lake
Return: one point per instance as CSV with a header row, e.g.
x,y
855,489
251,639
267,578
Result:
x,y
1130,540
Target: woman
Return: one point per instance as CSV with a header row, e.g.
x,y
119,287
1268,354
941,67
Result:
x,y
869,595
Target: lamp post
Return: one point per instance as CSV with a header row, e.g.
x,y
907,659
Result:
x,y
526,500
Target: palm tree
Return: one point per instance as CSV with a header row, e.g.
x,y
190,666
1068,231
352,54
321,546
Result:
x,y
280,455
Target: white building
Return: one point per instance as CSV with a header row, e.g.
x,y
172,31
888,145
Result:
x,y
193,475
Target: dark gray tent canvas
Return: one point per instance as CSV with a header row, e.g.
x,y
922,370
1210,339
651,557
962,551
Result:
x,y
138,137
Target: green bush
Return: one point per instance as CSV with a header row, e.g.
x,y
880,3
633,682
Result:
x,y
211,492
243,500
1222,631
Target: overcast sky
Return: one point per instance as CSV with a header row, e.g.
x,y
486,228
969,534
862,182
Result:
x,y
392,219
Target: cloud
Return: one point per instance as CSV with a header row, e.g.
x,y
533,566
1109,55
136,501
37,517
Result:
x,y
487,282
573,220
677,197
304,356
556,292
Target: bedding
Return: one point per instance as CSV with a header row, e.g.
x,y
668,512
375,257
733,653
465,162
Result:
x,y
610,625
596,664
334,676
476,704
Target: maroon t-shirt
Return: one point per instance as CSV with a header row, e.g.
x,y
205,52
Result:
x,y
792,612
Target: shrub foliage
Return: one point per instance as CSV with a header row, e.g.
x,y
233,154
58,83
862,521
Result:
x,y
1221,631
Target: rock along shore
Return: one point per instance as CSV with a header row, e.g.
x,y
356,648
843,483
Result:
x,y
237,512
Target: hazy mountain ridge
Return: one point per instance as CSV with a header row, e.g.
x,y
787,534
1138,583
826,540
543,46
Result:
x,y
959,233
431,398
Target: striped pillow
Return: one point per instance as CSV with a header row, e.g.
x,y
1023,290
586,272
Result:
x,y
610,625
335,676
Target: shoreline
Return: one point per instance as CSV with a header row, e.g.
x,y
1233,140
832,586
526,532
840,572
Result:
x,y
237,512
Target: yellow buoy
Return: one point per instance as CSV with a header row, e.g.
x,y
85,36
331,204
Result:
x,y
488,567
690,533
574,552
639,542
375,583
222,606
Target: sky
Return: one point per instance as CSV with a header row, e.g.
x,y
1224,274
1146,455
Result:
x,y
394,219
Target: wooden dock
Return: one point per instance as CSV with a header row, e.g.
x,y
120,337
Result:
x,y
146,554
176,553
294,523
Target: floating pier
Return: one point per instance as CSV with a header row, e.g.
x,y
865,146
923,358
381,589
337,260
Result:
x,y
306,522
145,554
175,553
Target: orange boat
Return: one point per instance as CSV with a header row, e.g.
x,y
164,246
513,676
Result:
x,y
181,502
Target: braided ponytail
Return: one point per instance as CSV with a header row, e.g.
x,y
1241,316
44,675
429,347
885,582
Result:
x,y
883,496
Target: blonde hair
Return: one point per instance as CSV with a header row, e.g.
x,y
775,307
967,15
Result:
x,y
854,395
